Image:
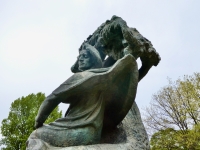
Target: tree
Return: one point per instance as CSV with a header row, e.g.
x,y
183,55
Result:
x,y
20,122
176,106
164,139
171,139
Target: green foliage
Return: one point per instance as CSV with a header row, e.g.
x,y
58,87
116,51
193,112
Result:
x,y
164,140
170,139
176,106
21,119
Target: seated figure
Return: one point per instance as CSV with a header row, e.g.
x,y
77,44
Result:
x,y
99,99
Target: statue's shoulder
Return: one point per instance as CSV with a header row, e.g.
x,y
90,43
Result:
x,y
77,77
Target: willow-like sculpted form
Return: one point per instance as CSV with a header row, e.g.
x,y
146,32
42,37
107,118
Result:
x,y
101,93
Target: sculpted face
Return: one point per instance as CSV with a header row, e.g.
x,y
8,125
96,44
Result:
x,y
84,60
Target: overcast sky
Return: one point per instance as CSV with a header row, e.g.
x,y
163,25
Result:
x,y
39,41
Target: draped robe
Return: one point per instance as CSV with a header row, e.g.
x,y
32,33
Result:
x,y
99,99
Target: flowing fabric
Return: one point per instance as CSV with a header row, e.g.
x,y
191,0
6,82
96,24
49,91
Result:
x,y
98,98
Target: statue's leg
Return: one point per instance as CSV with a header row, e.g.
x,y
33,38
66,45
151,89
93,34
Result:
x,y
64,137
33,143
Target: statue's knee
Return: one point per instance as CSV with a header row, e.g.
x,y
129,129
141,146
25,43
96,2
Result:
x,y
35,144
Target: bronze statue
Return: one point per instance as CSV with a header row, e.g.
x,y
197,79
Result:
x,y
101,93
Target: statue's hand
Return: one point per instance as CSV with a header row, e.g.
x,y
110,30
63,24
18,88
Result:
x,y
38,124
127,51
150,57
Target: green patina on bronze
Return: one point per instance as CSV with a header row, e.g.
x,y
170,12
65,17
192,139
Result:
x,y
93,104
101,93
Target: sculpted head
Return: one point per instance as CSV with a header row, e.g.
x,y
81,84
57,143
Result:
x,y
89,58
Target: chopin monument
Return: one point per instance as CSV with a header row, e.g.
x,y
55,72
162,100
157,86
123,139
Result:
x,y
101,93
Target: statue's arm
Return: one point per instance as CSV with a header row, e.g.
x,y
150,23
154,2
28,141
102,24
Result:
x,y
45,109
148,60
144,70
